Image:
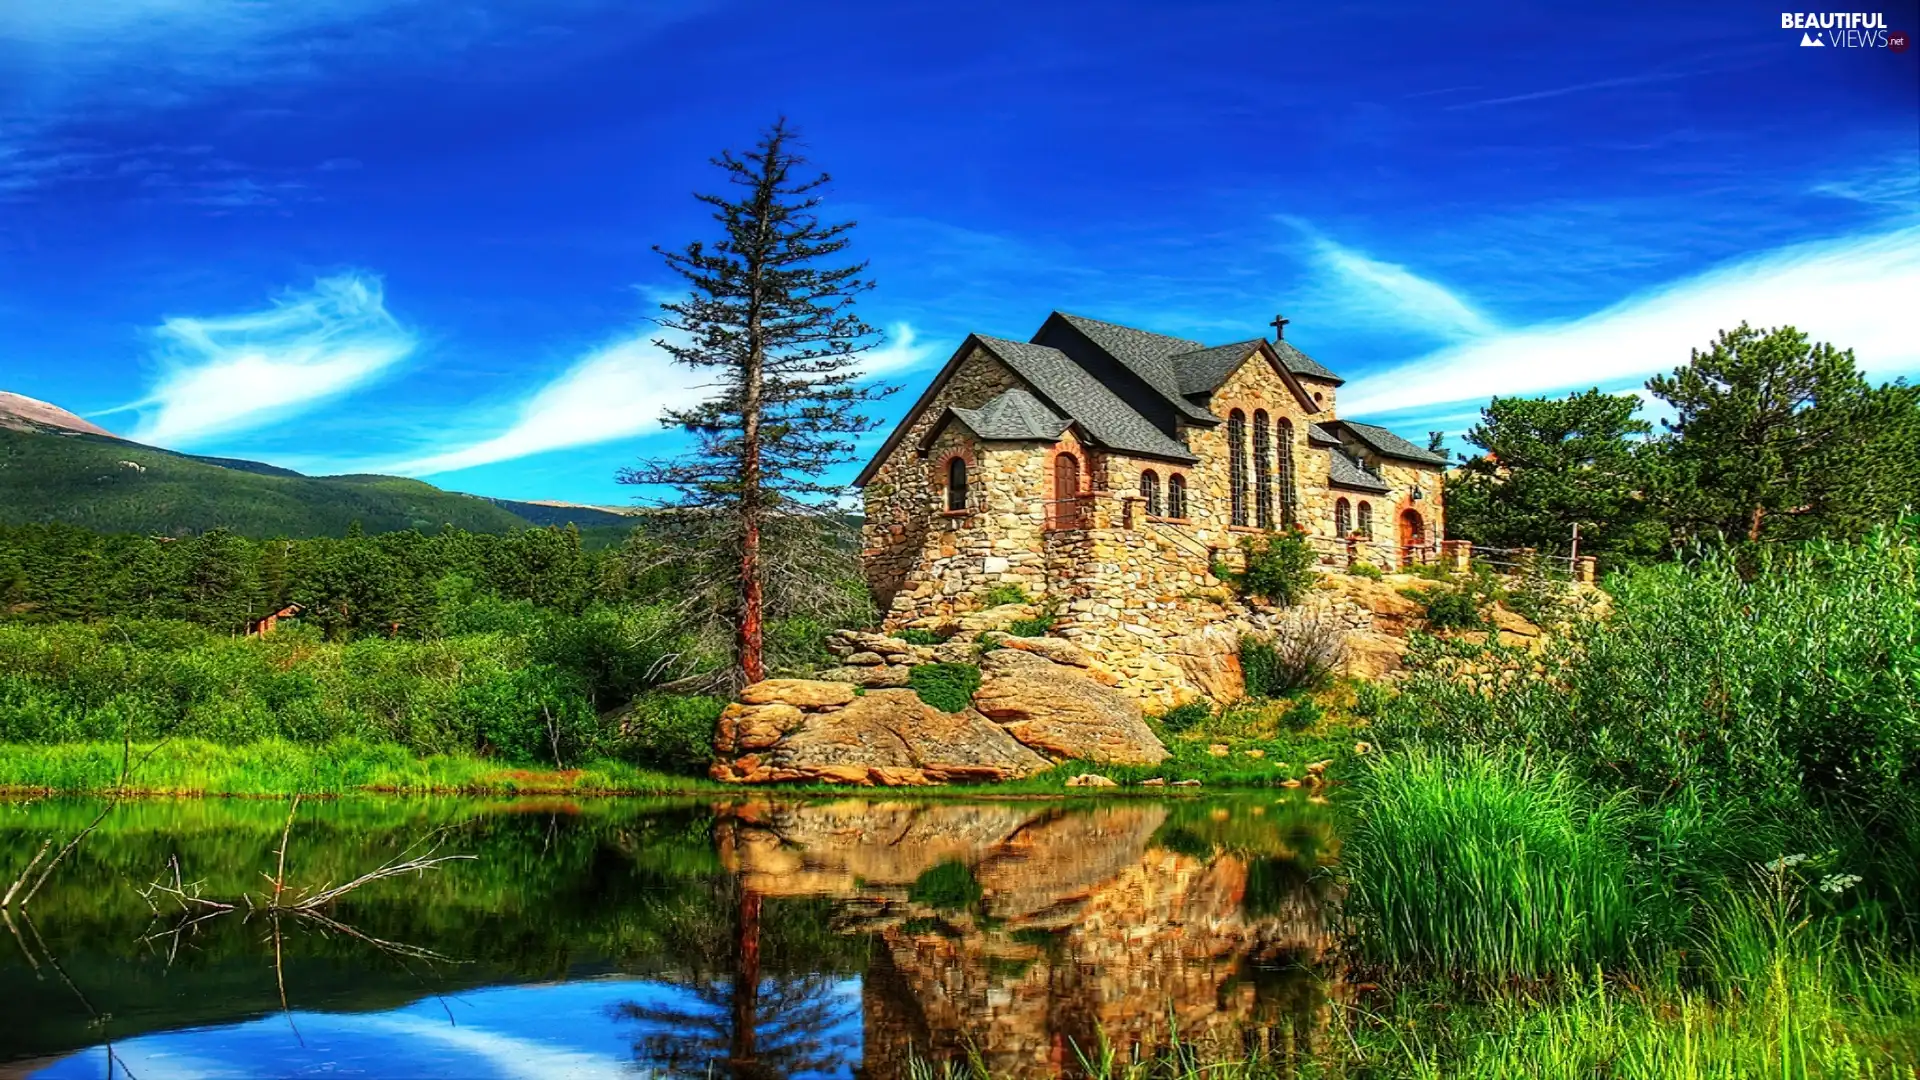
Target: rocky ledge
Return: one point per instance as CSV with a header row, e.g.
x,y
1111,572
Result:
x,y
1040,701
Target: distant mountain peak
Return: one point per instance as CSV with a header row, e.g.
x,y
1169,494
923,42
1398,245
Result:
x,y
21,413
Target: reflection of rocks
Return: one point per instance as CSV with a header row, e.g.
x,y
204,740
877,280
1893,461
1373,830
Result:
x,y
1081,927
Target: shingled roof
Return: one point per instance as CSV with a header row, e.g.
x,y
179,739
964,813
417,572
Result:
x,y
1203,370
1093,384
1382,441
1015,414
1301,364
1148,355
1343,471
1068,387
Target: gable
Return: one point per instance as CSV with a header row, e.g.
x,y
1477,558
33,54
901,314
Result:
x,y
1287,378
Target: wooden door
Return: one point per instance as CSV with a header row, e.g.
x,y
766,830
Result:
x,y
1413,537
1065,505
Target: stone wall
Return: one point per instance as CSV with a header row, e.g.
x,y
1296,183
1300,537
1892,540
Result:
x,y
902,498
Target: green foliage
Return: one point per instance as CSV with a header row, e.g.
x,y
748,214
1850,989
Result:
x,y
1037,626
1280,569
946,887
1795,675
1370,699
1005,594
1449,607
1548,465
917,636
1304,715
1366,570
1486,865
1777,437
671,733
947,687
530,697
1181,717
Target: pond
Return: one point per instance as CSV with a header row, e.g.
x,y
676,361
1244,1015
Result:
x,y
763,937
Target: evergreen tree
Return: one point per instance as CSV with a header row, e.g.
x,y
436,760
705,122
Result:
x,y
776,331
1776,437
1547,465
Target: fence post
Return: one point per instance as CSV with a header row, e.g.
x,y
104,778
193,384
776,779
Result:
x,y
1583,569
1456,555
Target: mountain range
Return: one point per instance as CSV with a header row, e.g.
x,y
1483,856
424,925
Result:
x,y
58,466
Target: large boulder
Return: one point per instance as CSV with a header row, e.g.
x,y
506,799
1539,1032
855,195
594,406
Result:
x,y
1210,659
887,737
800,693
1062,712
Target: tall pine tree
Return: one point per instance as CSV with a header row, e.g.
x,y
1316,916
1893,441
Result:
x,y
769,317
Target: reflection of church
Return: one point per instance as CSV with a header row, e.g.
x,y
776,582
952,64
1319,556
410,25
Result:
x,y
1028,937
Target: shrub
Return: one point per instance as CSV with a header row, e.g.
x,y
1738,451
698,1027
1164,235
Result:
x,y
947,687
671,733
1279,569
1301,656
1366,570
1034,627
917,636
1447,608
1181,717
1304,714
1005,594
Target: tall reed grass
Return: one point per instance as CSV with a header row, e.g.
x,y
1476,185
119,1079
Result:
x,y
1486,864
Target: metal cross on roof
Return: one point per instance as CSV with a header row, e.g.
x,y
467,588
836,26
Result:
x,y
1279,325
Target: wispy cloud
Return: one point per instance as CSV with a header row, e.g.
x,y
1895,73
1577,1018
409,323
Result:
x,y
902,351
1855,292
1572,88
231,373
619,391
615,392
1360,285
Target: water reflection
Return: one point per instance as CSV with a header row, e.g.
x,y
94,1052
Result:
x,y
761,938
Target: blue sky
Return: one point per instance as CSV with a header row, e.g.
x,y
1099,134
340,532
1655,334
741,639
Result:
x,y
410,236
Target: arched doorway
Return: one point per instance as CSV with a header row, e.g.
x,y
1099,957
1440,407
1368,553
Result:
x,y
1413,537
1064,507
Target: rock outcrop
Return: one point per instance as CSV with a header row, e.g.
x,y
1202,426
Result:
x,y
1040,701
1062,711
886,737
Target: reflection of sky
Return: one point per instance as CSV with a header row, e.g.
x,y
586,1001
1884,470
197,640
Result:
x,y
563,1031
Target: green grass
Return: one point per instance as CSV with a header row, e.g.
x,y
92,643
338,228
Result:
x,y
1485,865
277,767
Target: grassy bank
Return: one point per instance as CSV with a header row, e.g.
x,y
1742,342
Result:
x,y
277,767
1684,841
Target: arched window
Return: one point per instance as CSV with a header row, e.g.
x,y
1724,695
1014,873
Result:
x,y
1150,491
1066,492
1177,496
1237,465
1366,519
1342,519
956,483
1262,470
1289,488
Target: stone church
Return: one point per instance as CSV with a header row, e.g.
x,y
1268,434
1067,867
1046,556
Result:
x,y
1104,469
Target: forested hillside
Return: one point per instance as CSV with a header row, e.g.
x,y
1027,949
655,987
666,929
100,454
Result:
x,y
115,486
